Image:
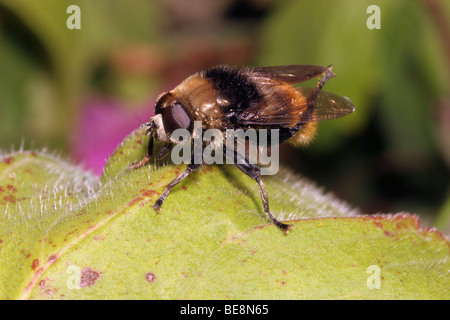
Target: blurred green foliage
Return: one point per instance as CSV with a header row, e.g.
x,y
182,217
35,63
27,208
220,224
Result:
x,y
45,67
392,154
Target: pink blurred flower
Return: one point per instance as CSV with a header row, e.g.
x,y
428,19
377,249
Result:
x,y
103,124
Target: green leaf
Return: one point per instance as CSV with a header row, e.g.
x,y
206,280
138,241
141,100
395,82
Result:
x,y
45,67
37,191
211,240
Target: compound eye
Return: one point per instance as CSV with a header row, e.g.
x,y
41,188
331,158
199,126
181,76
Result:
x,y
175,117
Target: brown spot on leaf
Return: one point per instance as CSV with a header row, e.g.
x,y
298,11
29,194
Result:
x,y
10,198
42,284
134,201
150,277
388,234
88,277
35,264
73,231
150,193
99,237
8,160
378,224
52,259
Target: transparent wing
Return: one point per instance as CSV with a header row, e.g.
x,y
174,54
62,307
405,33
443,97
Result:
x,y
290,74
328,105
281,112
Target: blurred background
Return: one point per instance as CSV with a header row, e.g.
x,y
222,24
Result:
x,y
81,91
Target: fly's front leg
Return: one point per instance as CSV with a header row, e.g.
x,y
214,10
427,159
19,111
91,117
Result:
x,y
255,173
146,159
140,164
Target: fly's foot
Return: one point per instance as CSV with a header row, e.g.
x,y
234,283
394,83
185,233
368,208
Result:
x,y
140,164
157,205
283,226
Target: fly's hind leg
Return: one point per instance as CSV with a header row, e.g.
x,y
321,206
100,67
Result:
x,y
255,173
327,75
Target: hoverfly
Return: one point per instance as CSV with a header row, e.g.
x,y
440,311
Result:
x,y
250,98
